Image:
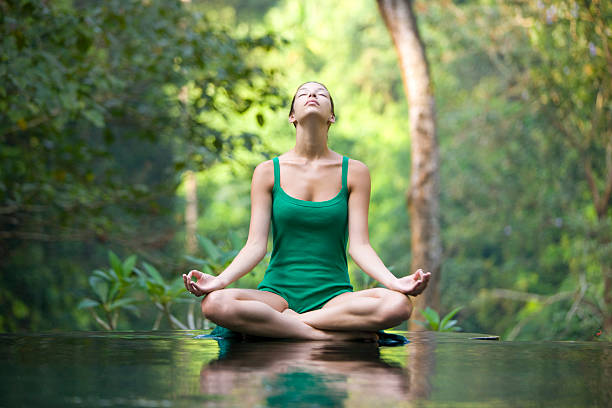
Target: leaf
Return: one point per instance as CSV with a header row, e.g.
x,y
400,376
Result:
x,y
154,289
122,303
101,274
128,265
116,264
100,288
87,303
450,316
448,326
154,274
142,277
432,318
113,290
431,315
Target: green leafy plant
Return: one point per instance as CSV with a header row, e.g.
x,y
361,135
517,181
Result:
x,y
434,323
217,258
124,285
163,294
111,289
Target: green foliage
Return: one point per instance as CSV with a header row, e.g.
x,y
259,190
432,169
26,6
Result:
x,y
434,323
162,293
159,291
103,105
216,257
122,288
111,289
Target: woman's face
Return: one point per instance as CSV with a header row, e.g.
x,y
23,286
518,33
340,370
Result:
x,y
312,98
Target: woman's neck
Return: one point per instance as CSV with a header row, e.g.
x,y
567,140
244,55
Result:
x,y
311,139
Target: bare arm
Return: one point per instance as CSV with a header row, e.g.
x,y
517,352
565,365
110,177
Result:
x,y
255,248
359,239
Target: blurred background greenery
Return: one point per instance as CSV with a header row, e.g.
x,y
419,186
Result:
x,y
109,109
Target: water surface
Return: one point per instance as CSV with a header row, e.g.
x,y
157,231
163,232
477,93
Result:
x,y
172,369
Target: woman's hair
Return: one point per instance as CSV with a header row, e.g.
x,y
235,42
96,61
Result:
x,y
308,82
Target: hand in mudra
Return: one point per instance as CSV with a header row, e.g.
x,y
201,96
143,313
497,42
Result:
x,y
413,284
205,283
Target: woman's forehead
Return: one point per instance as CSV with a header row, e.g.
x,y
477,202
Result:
x,y
312,85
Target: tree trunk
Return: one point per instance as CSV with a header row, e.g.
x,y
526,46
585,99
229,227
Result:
x,y
607,306
423,193
191,212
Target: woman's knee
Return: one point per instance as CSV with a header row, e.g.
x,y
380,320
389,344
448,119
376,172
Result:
x,y
396,308
216,304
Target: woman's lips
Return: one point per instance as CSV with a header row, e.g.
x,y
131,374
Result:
x,y
314,102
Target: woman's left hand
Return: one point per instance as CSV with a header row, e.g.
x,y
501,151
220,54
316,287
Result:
x,y
414,284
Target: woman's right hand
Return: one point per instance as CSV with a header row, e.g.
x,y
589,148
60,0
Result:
x,y
205,283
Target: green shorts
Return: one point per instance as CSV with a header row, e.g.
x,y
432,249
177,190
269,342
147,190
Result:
x,y
305,302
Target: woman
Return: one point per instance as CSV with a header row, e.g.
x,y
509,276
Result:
x,y
315,199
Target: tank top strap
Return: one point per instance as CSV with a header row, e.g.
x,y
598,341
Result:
x,y
345,161
276,174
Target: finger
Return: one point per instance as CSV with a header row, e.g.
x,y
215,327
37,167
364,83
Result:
x,y
190,286
194,273
198,289
422,286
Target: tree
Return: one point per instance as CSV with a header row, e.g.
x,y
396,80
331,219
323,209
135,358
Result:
x,y
423,193
102,106
570,83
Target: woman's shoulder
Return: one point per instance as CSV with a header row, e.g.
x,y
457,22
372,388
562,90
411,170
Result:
x,y
357,167
358,176
264,173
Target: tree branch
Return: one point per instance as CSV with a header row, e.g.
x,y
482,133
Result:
x,y
101,322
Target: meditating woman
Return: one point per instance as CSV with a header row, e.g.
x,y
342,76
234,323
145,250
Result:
x,y
315,199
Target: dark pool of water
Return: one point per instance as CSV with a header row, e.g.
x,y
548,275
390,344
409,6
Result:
x,y
172,369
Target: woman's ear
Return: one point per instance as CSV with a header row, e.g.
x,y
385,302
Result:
x,y
292,118
332,119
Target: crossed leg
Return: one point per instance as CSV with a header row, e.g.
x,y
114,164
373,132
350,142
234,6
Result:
x,y
369,310
353,315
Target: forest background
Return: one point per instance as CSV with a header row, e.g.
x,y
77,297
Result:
x,y
114,114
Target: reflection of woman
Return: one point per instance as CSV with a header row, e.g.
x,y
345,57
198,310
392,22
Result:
x,y
273,373
315,199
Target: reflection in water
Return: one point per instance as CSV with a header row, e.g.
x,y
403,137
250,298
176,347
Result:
x,y
421,363
172,369
281,374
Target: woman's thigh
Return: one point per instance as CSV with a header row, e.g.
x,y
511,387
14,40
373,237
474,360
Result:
x,y
378,293
227,295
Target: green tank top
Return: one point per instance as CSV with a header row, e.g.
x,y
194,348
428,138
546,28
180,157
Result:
x,y
308,266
